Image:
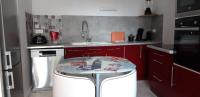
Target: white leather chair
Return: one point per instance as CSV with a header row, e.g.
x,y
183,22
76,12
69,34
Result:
x,y
120,86
70,86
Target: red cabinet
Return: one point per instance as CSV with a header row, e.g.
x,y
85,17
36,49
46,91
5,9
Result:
x,y
135,53
95,51
84,51
168,80
74,52
185,82
159,72
117,51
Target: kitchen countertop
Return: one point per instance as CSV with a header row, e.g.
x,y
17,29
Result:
x,y
66,45
163,47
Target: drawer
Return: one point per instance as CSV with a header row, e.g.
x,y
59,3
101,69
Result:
x,y
160,57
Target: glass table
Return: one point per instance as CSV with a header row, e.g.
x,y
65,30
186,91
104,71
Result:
x,y
97,67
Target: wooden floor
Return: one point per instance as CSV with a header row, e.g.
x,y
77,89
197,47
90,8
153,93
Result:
x,y
142,91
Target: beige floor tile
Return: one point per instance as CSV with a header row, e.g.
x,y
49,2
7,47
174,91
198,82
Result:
x,y
143,90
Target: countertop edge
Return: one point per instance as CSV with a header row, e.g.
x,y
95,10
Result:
x,y
70,46
161,49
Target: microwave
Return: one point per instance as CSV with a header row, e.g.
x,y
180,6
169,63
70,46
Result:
x,y
187,5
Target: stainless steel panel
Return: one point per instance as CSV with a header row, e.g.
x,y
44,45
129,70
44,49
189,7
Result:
x,y
42,71
1,78
43,63
10,42
187,29
9,8
188,14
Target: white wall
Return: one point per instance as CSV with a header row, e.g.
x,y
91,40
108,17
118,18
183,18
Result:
x,y
88,7
167,8
28,5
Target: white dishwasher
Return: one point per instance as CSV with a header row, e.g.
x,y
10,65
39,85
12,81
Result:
x,y
43,63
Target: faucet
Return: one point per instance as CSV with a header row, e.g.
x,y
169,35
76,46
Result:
x,y
85,31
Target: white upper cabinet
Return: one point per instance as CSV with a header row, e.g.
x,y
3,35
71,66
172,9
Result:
x,y
89,7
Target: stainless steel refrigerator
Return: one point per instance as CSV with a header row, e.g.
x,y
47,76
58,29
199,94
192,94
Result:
x,y
10,65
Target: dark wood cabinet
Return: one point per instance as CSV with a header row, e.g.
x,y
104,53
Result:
x,y
185,82
159,72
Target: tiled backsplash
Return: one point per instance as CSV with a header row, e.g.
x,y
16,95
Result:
x,y
100,27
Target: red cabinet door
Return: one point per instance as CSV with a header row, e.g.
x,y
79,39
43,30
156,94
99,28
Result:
x,y
95,51
116,51
160,65
85,52
186,83
134,54
74,52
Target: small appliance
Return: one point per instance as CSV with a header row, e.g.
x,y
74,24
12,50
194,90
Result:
x,y
39,39
131,38
148,36
139,34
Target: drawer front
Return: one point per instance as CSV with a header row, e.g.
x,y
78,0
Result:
x,y
74,52
160,57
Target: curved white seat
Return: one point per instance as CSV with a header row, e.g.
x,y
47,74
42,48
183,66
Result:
x,y
70,86
120,86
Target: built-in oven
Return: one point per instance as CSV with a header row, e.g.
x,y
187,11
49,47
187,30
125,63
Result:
x,y
187,42
187,5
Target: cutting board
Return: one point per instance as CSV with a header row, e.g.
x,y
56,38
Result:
x,y
117,36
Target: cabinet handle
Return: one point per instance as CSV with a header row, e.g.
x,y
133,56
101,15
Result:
x,y
10,80
155,77
158,54
114,49
172,77
8,60
140,52
73,50
95,49
157,61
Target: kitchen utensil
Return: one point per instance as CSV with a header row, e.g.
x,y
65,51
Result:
x,y
54,36
117,36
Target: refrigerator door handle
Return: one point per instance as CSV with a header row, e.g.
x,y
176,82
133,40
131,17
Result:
x,y
8,60
10,80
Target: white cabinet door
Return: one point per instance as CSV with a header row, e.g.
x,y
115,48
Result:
x,y
89,7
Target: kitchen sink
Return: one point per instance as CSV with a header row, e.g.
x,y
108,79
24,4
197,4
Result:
x,y
91,43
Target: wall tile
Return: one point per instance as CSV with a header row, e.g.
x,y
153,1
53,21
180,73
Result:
x,y
100,27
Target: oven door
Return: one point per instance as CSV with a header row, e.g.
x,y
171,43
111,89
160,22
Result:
x,y
187,47
187,5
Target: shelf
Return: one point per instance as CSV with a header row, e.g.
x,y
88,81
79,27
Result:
x,y
150,15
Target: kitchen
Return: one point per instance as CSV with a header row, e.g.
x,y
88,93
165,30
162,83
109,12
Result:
x,y
86,28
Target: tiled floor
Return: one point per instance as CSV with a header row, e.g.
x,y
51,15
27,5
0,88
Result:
x,y
143,91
